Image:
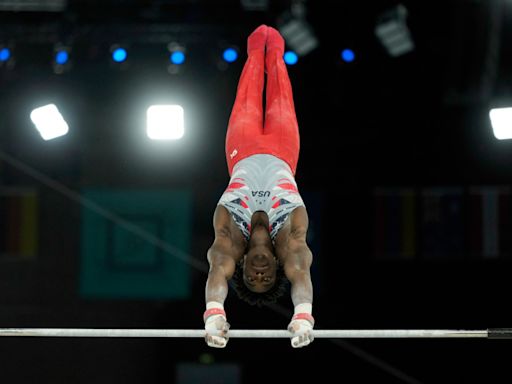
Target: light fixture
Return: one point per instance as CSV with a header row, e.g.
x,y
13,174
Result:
x,y
49,122
290,58
393,33
61,58
348,55
230,55
165,122
501,121
119,54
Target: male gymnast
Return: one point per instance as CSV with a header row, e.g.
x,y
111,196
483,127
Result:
x,y
260,222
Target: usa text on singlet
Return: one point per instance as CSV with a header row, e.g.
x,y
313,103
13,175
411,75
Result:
x,y
261,183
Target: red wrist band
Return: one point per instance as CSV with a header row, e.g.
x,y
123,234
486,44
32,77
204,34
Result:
x,y
213,311
304,316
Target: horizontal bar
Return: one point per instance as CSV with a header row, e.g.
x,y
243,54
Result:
x,y
500,333
245,333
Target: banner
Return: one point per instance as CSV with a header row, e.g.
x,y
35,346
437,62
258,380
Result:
x,y
442,223
395,223
490,222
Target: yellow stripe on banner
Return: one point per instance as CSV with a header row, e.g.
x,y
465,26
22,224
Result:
x,y
29,226
408,224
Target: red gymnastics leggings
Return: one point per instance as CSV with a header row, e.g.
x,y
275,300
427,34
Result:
x,y
247,134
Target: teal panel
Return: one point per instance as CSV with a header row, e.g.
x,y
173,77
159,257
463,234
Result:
x,y
118,263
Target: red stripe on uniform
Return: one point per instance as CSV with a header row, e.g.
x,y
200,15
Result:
x,y
288,187
233,186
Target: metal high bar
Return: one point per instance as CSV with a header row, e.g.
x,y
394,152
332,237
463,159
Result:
x,y
492,333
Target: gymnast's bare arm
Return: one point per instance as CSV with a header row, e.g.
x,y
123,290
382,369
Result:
x,y
297,258
226,250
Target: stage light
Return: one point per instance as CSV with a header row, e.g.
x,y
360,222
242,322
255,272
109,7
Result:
x,y
5,54
393,32
61,57
254,5
348,55
119,55
290,58
230,55
33,5
165,122
299,35
177,57
501,121
49,122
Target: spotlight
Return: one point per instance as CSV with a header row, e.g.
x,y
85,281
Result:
x,y
177,57
299,35
7,59
254,5
393,32
165,122
5,54
501,120
49,122
296,30
61,57
119,55
230,55
290,58
33,5
348,55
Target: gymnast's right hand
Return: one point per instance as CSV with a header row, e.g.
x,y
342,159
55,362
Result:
x,y
216,327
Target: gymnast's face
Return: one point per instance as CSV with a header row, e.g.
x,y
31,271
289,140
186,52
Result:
x,y
259,268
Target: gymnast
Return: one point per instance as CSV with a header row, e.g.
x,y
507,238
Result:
x,y
260,222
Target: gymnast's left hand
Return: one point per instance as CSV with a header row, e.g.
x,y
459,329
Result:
x,y
301,332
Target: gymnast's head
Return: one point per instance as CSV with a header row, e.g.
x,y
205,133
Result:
x,y
259,278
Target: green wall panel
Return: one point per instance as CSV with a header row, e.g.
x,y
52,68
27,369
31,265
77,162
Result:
x,y
117,263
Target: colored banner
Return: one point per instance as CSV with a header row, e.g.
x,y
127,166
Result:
x,y
490,222
442,223
395,223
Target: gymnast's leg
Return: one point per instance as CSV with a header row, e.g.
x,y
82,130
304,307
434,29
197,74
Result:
x,y
280,118
246,118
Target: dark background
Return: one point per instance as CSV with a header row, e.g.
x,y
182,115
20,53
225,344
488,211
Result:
x,y
415,121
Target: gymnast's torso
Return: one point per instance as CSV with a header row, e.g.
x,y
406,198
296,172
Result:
x,y
261,183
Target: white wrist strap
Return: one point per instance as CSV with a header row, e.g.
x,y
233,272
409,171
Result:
x,y
304,308
214,304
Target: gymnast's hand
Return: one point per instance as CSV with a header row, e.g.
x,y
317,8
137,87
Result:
x,y
217,328
301,329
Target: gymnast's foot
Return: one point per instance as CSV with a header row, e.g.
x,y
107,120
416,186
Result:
x,y
257,39
275,41
275,49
